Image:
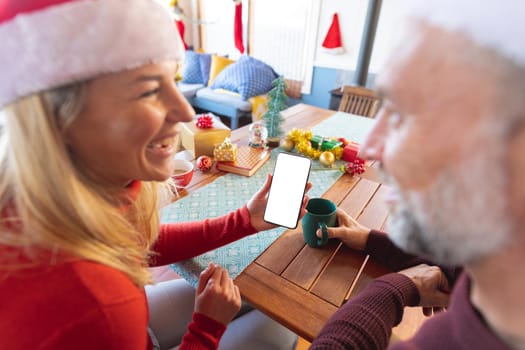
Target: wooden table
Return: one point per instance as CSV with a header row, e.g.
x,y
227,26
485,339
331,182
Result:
x,y
299,286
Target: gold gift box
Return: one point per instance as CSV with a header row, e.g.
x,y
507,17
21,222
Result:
x,y
202,141
225,154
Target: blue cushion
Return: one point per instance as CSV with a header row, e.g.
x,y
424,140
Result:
x,y
205,60
248,76
191,69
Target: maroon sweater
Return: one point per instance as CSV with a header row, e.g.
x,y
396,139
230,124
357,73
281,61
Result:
x,y
366,321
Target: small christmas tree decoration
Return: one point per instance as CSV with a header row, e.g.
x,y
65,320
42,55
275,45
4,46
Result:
x,y
276,103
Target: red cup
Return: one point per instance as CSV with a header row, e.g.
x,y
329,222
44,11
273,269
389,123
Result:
x,y
182,172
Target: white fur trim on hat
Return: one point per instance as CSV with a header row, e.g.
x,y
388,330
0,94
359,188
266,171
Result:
x,y
494,24
78,40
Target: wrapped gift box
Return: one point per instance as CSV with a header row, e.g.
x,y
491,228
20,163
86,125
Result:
x,y
225,152
350,151
326,143
202,141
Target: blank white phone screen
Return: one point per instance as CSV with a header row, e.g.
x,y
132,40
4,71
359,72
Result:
x,y
290,176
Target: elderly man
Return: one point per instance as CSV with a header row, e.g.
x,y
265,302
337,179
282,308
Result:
x,y
451,138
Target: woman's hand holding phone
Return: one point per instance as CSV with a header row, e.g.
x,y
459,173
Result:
x,y
286,196
257,205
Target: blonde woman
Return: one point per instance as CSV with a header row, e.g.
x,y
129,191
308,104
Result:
x,y
90,117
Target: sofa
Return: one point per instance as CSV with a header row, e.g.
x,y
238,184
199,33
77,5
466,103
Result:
x,y
225,87
218,102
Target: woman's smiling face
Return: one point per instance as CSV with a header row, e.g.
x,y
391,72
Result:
x,y
127,127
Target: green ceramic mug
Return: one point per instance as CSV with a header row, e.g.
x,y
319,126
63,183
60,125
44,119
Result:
x,y
320,214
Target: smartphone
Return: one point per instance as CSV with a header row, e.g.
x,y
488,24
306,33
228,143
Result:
x,y
285,197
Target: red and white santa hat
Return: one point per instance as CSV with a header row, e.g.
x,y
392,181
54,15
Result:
x,y
332,42
50,43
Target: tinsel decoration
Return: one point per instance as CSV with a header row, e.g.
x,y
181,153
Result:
x,y
301,138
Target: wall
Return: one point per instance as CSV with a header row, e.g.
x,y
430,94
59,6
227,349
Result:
x,y
333,71
326,79
351,20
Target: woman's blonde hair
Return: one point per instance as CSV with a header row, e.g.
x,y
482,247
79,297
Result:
x,y
49,204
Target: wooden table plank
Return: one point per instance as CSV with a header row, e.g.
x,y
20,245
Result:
x,y
301,116
331,286
278,256
358,197
289,304
376,211
372,173
309,263
339,190
371,270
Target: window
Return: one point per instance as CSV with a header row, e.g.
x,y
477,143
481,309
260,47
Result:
x,y
279,35
277,32
216,22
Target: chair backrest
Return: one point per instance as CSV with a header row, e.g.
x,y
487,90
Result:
x,y
359,100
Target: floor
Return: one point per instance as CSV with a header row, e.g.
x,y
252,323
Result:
x,y
164,273
302,344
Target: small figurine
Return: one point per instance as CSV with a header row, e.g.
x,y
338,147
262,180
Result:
x,y
258,134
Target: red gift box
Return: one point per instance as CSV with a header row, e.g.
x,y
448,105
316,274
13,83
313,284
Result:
x,y
350,151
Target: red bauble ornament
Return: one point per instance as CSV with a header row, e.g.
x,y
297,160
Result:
x,y
343,141
204,163
204,122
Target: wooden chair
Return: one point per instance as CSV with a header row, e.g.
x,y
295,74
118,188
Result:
x,y
359,100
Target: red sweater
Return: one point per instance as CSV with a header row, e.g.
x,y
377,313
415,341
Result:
x,y
87,305
366,321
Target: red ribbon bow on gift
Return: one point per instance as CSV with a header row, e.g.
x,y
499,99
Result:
x,y
204,122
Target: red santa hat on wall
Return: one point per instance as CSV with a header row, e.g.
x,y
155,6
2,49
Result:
x,y
332,42
50,43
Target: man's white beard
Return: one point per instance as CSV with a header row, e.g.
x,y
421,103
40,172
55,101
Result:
x,y
463,216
